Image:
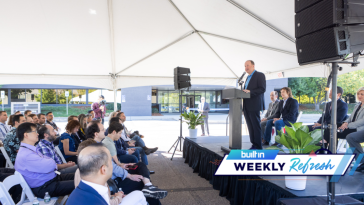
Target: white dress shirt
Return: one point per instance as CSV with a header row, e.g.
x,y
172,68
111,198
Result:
x,y
124,136
102,190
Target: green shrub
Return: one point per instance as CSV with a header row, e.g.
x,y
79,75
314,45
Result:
x,y
110,106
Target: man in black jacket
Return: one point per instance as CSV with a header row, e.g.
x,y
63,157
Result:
x,y
287,113
342,111
255,84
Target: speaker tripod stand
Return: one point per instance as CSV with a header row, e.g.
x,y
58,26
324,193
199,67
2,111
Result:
x,y
180,137
178,141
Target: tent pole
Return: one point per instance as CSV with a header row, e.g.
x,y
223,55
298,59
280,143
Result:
x,y
115,101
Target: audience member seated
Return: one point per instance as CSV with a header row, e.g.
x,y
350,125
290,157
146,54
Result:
x,y
41,119
287,113
28,119
10,121
272,109
76,136
83,125
14,191
90,116
342,111
68,144
355,123
4,128
72,117
47,135
49,120
130,180
115,130
130,146
39,171
26,113
11,142
95,167
137,139
96,131
34,118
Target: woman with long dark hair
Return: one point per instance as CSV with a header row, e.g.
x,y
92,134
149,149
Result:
x,y
68,144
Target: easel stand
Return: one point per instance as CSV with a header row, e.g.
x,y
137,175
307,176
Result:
x,y
180,137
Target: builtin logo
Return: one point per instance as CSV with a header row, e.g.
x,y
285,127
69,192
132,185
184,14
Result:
x,y
254,154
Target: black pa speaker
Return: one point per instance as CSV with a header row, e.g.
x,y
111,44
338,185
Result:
x,y
328,13
328,29
330,44
182,78
32,97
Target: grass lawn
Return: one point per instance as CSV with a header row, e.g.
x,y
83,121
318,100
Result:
x,y
60,111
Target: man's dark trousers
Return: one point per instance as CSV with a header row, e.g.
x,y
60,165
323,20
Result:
x,y
61,185
252,119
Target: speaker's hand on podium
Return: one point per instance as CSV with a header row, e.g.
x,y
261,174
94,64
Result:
x,y
246,91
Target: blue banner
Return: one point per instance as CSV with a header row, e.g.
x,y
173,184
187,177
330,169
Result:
x,y
252,154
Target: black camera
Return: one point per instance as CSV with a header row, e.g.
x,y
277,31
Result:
x,y
103,102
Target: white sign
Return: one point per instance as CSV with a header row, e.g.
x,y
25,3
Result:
x,y
148,97
2,94
123,98
66,93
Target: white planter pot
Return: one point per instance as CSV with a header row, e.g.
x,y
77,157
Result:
x,y
296,182
193,133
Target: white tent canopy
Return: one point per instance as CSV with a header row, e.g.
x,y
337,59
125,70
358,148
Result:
x,y
125,43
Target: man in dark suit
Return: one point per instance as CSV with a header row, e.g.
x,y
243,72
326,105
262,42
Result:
x,y
204,109
287,113
342,111
96,168
272,109
255,85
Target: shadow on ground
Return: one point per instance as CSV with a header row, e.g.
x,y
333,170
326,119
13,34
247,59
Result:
x,y
184,186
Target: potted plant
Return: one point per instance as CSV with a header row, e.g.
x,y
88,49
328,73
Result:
x,y
193,120
298,140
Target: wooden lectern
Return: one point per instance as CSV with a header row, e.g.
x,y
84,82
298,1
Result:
x,y
235,97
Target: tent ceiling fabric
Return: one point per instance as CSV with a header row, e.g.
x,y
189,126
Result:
x,y
76,42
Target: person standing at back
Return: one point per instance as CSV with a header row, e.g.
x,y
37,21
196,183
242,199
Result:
x,y
204,109
255,84
99,109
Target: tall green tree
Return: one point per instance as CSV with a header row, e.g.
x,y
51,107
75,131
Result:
x,y
309,86
351,82
297,86
316,90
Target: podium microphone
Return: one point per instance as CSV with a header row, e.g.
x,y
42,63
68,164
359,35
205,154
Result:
x,y
241,77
